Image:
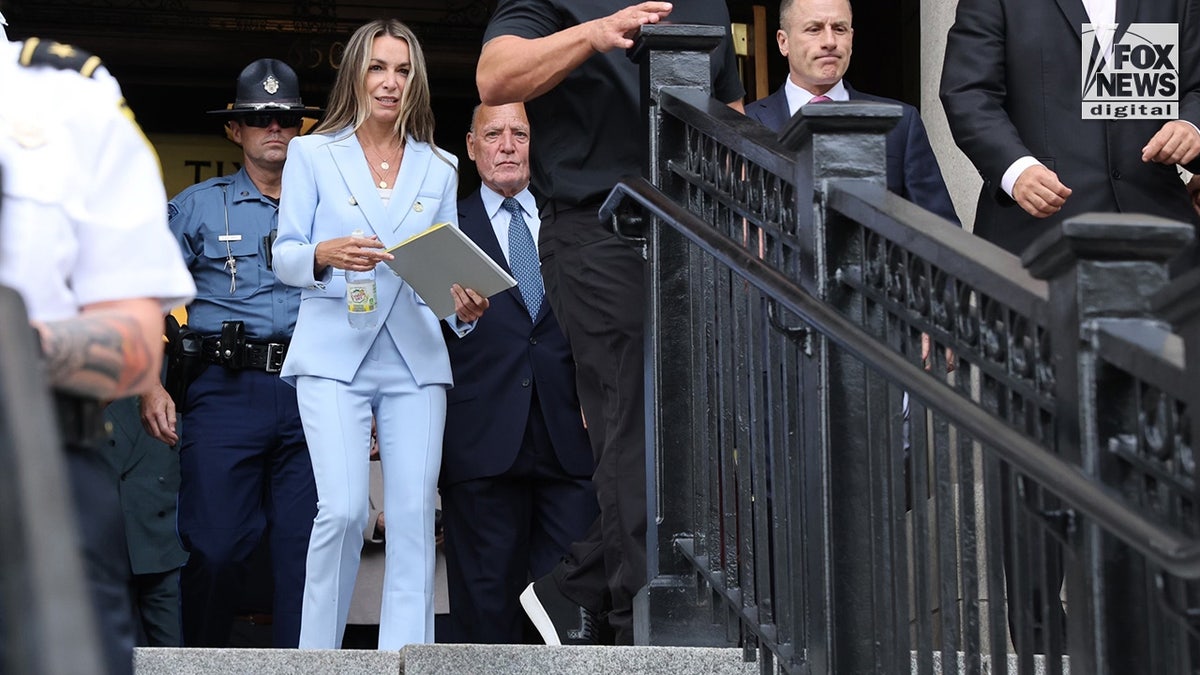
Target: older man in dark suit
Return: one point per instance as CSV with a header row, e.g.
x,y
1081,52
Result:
x,y
1011,86
817,37
516,464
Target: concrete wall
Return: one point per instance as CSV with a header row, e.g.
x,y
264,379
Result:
x,y
961,176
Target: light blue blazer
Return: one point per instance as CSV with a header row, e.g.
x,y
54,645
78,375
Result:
x,y
328,192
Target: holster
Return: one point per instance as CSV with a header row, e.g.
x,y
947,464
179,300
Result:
x,y
184,359
232,345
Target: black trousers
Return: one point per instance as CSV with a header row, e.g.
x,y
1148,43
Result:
x,y
105,556
503,530
246,474
596,285
1033,574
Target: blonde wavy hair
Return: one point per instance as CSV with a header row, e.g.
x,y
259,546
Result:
x,y
349,104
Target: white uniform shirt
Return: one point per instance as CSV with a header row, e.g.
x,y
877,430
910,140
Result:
x,y
84,212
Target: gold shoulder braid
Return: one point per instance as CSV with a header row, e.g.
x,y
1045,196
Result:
x,y
37,52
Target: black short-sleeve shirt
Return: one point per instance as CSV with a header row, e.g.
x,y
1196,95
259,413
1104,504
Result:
x,y
588,132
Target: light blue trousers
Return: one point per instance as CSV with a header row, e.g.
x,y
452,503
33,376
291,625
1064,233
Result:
x,y
337,423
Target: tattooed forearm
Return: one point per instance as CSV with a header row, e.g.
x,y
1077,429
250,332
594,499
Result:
x,y
100,356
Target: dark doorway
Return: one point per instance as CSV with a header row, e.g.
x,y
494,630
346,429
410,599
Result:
x,y
176,59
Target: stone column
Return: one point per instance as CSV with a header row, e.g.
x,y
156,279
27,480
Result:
x,y
961,176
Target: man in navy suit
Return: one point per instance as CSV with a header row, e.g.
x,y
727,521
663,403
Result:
x,y
516,464
816,37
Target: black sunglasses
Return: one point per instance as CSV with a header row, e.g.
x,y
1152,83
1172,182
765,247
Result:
x,y
262,120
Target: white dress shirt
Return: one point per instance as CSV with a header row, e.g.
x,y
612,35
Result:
x,y
798,97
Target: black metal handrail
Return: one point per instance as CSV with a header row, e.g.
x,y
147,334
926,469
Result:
x,y
1153,351
1173,551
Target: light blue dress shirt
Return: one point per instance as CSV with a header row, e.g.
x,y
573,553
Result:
x,y
253,295
492,205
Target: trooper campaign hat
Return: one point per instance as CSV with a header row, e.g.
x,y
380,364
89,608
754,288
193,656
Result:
x,y
266,85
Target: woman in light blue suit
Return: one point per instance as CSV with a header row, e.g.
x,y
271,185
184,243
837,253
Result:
x,y
371,166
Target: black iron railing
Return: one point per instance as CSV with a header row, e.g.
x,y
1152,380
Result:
x,y
831,495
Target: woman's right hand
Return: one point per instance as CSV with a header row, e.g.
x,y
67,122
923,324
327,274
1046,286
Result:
x,y
358,254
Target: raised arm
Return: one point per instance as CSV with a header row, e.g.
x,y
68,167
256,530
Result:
x,y
516,69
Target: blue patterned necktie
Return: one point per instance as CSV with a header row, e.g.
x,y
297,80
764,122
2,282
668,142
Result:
x,y
523,258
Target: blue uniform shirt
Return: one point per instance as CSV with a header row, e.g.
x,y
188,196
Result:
x,y
197,215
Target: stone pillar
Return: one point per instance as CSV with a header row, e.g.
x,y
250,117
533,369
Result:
x,y
961,176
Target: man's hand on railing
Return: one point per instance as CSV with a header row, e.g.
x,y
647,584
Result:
x,y
617,30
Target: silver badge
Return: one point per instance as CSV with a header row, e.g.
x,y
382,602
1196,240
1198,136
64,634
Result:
x,y
271,84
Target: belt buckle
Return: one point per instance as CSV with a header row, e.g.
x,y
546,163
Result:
x,y
274,349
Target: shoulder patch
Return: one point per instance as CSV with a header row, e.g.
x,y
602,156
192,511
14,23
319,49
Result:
x,y
37,52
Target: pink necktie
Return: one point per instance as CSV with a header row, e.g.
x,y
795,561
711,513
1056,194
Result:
x,y
819,99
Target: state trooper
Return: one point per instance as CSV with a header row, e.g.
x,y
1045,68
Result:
x,y
83,235
244,465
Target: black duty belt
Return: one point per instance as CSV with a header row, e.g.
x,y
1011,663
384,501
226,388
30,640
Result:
x,y
80,420
266,356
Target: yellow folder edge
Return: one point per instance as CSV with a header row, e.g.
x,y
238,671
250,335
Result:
x,y
422,233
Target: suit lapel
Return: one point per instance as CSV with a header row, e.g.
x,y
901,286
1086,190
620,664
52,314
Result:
x,y
778,105
352,165
1076,15
478,226
413,167
1127,12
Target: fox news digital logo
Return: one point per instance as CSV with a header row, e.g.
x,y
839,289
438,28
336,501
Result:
x,y
1136,78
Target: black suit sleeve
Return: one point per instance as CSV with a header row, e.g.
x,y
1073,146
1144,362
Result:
x,y
1189,68
923,181
973,88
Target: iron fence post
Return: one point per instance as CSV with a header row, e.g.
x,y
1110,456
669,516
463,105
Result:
x,y
670,610
835,142
1100,267
1179,303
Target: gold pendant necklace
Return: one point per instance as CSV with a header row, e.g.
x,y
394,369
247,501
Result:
x,y
385,165
381,177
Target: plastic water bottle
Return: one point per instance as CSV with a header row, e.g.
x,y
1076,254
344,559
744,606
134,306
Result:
x,y
361,302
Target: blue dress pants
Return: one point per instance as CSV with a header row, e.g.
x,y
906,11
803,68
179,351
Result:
x,y
245,472
409,421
